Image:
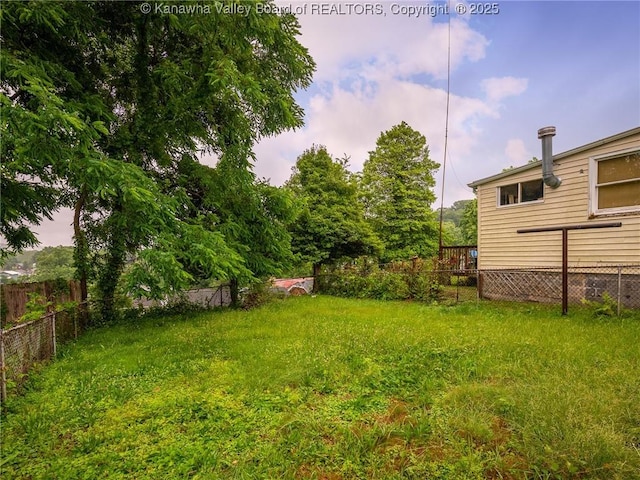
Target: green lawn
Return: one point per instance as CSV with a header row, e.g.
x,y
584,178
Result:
x,y
331,388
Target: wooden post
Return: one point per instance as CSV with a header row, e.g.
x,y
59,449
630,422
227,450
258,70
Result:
x,y
234,292
3,373
316,275
53,333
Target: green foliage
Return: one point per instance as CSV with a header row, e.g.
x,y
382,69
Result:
x,y
101,101
165,268
397,188
251,214
53,263
469,223
451,234
608,307
460,223
366,280
454,213
330,224
35,308
258,293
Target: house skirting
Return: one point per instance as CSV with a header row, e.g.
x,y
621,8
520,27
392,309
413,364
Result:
x,y
545,285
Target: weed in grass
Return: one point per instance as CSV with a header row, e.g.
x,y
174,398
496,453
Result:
x,y
333,388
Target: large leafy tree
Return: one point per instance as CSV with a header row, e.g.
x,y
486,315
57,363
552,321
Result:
x,y
330,224
397,185
100,101
252,215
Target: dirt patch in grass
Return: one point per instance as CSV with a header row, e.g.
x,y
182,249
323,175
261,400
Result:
x,y
511,466
397,413
316,473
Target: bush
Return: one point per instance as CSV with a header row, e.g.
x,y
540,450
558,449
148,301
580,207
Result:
x,y
258,293
362,280
387,286
36,307
425,287
608,307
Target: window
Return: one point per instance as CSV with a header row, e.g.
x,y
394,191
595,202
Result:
x,y
522,192
615,183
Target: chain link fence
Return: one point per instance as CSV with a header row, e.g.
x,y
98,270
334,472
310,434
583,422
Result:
x,y
618,284
219,296
27,344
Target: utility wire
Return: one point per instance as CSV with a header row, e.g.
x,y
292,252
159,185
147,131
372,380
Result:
x,y
455,174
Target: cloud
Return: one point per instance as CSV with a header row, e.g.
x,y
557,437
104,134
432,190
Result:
x,y
349,121
497,89
57,231
371,76
517,152
367,46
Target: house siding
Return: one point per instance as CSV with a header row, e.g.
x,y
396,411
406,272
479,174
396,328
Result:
x,y
500,246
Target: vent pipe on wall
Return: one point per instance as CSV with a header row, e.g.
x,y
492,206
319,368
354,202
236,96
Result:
x,y
546,134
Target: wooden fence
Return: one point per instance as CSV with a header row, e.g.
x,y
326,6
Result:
x,y
51,294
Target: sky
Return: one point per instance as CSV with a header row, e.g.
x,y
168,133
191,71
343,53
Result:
x,y
515,66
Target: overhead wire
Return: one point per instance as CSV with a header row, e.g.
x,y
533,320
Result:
x,y
455,174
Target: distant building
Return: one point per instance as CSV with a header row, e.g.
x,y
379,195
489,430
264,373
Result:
x,y
10,275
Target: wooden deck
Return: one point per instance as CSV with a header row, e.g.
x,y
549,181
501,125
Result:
x,y
460,259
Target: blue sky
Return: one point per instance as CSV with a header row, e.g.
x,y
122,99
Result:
x,y
572,64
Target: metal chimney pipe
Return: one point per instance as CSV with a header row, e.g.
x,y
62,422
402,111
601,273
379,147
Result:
x,y
546,134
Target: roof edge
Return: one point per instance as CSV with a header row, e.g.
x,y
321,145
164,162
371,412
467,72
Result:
x,y
559,156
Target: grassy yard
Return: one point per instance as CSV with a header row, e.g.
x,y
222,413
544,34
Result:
x,y
330,388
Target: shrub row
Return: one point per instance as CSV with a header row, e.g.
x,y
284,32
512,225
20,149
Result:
x,y
380,284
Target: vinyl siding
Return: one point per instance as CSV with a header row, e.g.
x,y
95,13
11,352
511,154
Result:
x,y
500,246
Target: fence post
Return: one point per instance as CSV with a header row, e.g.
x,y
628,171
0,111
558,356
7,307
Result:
x,y
53,333
3,375
619,288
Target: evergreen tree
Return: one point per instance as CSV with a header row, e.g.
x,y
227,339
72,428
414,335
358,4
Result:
x,y
397,185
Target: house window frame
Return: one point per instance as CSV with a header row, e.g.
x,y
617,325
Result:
x,y
519,202
594,211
